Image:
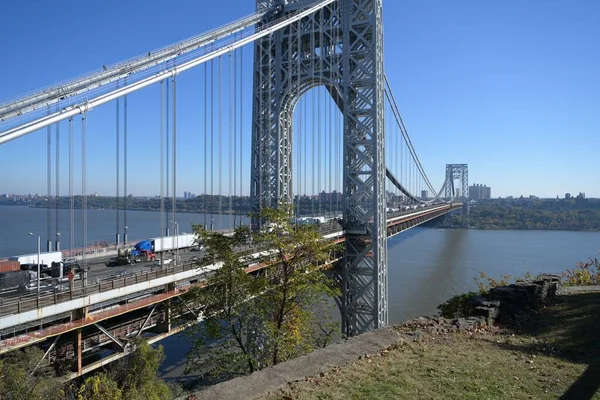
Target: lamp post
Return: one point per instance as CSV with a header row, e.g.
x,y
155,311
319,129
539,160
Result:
x,y
38,262
125,235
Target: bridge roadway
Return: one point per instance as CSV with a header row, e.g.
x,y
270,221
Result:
x,y
127,300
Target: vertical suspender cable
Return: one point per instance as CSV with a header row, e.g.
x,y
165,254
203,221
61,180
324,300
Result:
x,y
313,138
167,151
174,204
49,186
162,157
299,158
232,133
205,195
84,184
330,134
56,198
125,227
304,148
241,120
71,192
220,166
321,131
299,115
212,142
118,186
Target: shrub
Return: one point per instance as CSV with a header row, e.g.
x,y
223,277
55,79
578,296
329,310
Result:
x,y
458,306
584,274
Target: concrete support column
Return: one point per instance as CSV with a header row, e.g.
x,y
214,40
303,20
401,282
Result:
x,y
80,313
77,347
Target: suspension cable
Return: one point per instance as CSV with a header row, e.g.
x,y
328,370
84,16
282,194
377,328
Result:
x,y
49,186
57,197
118,186
174,200
84,185
167,152
125,227
212,143
241,121
205,194
71,191
220,145
231,135
162,158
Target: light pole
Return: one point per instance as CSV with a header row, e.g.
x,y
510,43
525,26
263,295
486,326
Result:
x,y
125,235
38,262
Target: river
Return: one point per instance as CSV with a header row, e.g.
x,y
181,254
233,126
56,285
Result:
x,y
426,265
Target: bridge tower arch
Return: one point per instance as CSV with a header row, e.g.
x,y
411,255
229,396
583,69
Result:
x,y
458,172
342,45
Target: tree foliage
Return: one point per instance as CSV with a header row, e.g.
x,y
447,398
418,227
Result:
x,y
99,387
26,376
136,375
21,380
260,319
497,216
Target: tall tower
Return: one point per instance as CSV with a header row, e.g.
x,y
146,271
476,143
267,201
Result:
x,y
341,48
460,172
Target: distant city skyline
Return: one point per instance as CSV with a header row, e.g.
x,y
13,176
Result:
x,y
509,88
580,194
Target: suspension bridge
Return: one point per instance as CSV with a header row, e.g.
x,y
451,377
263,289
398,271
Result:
x,y
325,134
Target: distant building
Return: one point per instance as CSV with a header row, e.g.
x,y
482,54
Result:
x,y
480,192
185,195
567,196
581,196
423,194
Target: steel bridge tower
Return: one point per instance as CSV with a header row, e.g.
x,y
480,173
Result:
x,y
341,48
459,172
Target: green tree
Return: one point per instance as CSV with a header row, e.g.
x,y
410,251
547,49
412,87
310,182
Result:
x,y
99,387
254,321
25,376
136,375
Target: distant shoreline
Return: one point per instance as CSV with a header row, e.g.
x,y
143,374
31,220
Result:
x,y
129,209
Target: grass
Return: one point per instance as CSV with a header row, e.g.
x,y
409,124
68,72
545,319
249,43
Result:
x,y
555,353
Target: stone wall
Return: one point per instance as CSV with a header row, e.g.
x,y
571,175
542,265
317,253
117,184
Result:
x,y
507,303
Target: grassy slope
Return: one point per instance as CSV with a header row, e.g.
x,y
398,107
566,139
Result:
x,y
557,352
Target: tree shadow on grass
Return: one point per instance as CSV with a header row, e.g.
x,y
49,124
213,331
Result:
x,y
568,327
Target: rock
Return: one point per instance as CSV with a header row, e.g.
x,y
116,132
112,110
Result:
x,y
489,313
481,301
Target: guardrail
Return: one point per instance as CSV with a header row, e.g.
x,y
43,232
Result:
x,y
12,306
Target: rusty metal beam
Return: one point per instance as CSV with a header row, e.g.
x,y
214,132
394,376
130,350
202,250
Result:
x,y
110,336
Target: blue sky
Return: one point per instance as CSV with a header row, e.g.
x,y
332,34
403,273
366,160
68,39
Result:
x,y
511,87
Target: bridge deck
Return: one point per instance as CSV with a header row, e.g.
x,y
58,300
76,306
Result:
x,y
110,298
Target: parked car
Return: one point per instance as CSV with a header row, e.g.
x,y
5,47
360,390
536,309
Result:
x,y
166,261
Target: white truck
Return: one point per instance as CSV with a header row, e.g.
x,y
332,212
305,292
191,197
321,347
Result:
x,y
45,258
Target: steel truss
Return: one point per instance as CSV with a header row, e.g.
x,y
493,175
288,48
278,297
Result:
x,y
460,172
340,47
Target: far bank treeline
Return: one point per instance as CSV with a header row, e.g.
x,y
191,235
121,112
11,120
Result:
x,y
210,204
483,216
496,216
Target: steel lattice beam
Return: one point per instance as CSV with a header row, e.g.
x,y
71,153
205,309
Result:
x,y
460,172
349,62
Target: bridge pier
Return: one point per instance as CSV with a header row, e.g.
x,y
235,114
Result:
x,y
78,350
165,325
466,211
